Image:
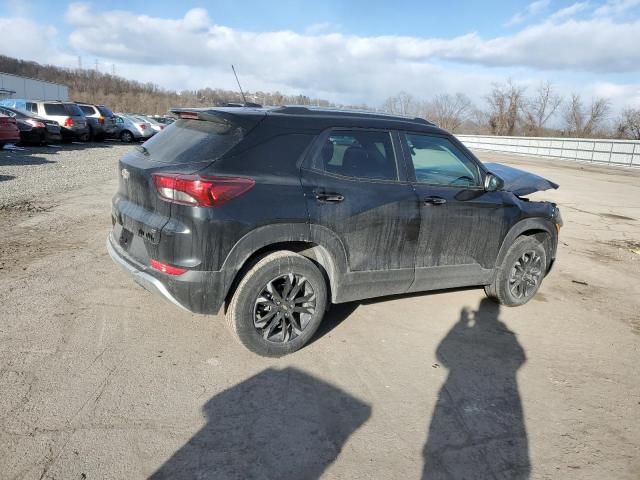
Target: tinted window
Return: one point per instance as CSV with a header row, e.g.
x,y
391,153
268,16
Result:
x,y
187,141
105,111
361,154
32,107
7,112
436,160
87,110
73,109
56,109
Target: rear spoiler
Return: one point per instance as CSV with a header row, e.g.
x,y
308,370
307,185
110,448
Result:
x,y
245,118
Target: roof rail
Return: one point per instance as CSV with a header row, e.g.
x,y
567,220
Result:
x,y
304,110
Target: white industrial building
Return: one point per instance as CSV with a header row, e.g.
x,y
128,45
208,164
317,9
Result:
x,y
13,86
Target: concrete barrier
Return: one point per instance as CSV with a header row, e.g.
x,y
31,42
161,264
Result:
x,y
600,151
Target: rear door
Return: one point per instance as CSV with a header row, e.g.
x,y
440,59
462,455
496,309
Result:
x,y
462,225
354,188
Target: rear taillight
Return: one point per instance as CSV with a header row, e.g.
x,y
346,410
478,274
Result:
x,y
166,268
68,122
200,191
142,126
35,123
101,120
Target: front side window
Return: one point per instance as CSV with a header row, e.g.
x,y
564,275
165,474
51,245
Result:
x,y
359,154
437,161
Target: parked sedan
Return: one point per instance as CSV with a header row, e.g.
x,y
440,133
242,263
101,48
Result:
x,y
34,129
9,132
155,125
131,128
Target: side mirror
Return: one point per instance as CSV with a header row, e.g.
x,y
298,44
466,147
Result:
x,y
493,183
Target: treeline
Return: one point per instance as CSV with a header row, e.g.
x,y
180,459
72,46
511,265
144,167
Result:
x,y
509,109
124,95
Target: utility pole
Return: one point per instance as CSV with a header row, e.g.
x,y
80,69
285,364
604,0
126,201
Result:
x,y
79,62
113,69
97,64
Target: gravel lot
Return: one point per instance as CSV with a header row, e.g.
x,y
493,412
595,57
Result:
x,y
100,379
35,174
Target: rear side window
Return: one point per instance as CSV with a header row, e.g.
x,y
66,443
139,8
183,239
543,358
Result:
x,y
190,141
31,107
104,111
73,109
55,109
87,110
359,154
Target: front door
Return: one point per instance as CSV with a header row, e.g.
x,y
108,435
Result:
x,y
462,225
353,189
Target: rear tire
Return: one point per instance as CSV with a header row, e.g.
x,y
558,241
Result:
x,y
126,136
519,277
278,304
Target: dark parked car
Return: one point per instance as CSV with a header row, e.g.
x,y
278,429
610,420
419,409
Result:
x,y
9,132
275,213
34,129
100,120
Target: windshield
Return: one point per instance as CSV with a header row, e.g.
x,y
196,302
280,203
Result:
x,y
190,141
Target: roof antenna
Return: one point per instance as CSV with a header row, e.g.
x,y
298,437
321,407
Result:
x,y
241,92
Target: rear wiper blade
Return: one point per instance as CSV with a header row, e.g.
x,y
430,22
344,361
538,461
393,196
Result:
x,y
142,150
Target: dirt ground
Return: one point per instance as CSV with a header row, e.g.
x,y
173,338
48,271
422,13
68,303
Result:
x,y
100,379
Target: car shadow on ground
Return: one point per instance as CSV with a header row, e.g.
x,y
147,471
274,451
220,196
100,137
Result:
x,y
4,178
280,424
477,429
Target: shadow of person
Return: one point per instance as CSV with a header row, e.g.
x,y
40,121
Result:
x,y
477,430
278,424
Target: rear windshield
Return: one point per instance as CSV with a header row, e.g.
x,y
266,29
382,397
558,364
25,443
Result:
x,y
87,110
73,109
105,111
56,109
190,141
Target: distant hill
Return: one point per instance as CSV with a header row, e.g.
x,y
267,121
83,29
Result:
x,y
124,95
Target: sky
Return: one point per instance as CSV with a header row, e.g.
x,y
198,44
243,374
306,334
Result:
x,y
348,52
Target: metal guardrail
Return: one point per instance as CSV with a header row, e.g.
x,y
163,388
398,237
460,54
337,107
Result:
x,y
600,151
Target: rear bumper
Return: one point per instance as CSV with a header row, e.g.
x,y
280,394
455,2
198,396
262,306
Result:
x,y
195,291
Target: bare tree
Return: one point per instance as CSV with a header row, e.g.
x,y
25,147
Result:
x,y
540,108
505,103
581,121
402,104
449,111
628,125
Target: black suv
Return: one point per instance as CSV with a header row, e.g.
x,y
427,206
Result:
x,y
277,212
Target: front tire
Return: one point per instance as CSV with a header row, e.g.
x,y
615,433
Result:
x,y
278,305
519,277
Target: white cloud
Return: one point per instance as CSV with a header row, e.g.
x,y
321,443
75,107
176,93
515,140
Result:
x,y
533,9
40,44
570,11
616,7
591,45
195,52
